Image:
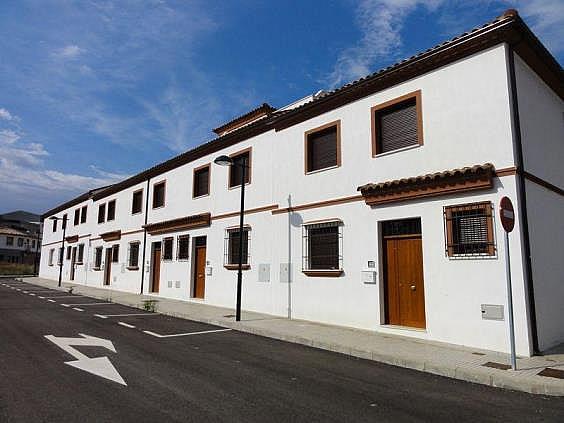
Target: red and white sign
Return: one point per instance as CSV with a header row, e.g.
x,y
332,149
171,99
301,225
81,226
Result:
x,y
507,214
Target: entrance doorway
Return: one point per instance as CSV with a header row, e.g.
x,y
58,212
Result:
x,y
108,266
403,273
155,266
199,267
73,261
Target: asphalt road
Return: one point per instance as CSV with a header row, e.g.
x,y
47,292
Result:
x,y
206,374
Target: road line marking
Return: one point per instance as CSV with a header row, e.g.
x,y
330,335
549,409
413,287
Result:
x,y
51,301
32,294
67,305
25,292
77,309
127,325
65,296
39,296
86,304
105,316
148,332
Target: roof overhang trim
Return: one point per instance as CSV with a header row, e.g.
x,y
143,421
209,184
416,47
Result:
x,y
111,236
180,224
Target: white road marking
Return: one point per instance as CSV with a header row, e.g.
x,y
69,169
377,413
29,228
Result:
x,y
51,301
105,316
77,309
85,304
32,294
127,325
67,305
25,292
39,296
148,332
65,296
99,366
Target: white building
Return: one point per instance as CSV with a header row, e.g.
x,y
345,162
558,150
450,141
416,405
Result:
x,y
378,202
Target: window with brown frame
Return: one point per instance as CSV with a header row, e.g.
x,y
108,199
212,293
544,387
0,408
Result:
x,y
182,249
133,260
159,194
115,253
232,240
323,147
137,202
111,210
101,213
236,169
167,248
80,258
69,250
323,246
76,217
201,184
469,230
83,214
397,124
98,257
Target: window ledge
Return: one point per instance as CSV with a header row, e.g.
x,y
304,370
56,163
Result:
x,y
132,267
332,273
399,150
313,172
236,266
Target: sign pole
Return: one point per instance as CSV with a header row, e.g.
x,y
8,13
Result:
x,y
510,303
507,217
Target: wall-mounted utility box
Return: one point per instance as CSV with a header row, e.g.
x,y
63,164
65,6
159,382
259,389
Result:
x,y
368,277
492,312
264,273
285,272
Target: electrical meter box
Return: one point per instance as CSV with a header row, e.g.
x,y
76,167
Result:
x,y
369,277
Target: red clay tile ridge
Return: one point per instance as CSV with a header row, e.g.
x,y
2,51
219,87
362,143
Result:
x,y
263,110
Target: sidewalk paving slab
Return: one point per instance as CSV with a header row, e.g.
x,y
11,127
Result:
x,y
429,356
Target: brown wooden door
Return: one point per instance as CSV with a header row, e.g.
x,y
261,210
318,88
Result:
x,y
73,261
156,266
108,266
200,272
405,296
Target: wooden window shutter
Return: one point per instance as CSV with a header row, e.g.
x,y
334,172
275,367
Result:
x,y
236,169
201,181
322,149
397,126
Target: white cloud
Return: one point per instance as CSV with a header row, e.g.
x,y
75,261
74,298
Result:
x,y
6,115
8,136
68,52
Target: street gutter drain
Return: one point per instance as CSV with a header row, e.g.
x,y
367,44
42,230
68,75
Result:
x,y
495,365
229,315
547,372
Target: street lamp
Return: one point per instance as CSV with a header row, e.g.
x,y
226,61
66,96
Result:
x,y
62,255
228,161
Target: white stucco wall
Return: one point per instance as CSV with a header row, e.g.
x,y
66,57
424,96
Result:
x,y
466,121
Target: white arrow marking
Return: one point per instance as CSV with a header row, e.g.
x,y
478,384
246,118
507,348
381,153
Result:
x,y
99,366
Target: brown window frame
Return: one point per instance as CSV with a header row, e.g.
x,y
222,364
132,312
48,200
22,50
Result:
x,y
163,183
80,254
178,250
307,134
230,257
101,213
130,264
307,238
165,257
76,217
83,211
98,253
451,247
115,253
137,192
199,169
113,202
248,173
391,103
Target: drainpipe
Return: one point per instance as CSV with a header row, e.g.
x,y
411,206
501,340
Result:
x,y
145,235
522,197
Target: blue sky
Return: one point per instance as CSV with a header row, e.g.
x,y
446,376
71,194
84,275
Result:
x,y
94,91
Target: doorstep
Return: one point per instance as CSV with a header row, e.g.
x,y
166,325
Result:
x,y
454,361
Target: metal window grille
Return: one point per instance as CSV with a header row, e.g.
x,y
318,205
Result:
x,y
80,253
182,249
69,249
231,255
115,253
167,248
133,254
469,230
322,246
98,257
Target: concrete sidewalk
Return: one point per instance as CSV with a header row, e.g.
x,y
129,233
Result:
x,y
433,357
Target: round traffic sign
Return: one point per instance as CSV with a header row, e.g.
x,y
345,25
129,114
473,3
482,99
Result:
x,y
506,214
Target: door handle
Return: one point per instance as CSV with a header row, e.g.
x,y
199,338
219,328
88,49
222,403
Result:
x,y
412,287
200,275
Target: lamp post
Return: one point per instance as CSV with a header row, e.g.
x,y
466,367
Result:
x,y
62,255
228,161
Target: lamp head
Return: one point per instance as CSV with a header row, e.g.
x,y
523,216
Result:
x,y
223,161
